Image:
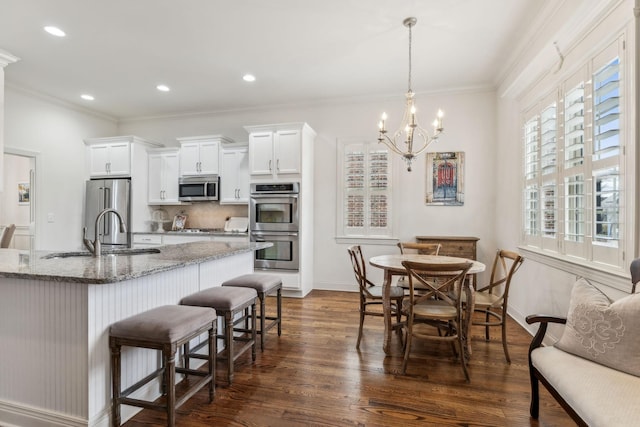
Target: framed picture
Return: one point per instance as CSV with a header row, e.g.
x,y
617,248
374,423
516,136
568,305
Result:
x,y
445,179
23,193
179,221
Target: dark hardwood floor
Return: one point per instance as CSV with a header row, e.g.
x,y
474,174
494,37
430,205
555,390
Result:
x,y
313,376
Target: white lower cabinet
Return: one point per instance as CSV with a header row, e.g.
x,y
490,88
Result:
x,y
146,240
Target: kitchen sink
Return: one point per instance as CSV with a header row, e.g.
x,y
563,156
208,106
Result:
x,y
108,252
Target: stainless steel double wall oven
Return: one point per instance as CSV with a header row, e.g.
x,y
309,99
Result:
x,y
274,218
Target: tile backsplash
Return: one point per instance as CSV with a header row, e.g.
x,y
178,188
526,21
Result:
x,y
199,215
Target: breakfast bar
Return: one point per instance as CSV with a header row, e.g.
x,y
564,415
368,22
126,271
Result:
x,y
55,313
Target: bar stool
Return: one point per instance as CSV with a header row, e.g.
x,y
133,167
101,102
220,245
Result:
x,y
228,303
163,328
264,284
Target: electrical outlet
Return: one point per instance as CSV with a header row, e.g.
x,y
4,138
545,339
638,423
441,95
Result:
x,y
51,217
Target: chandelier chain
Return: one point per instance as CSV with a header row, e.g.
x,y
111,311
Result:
x,y
410,57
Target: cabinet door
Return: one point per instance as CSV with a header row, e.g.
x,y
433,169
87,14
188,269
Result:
x,y
170,175
98,160
190,159
242,158
261,153
209,158
154,189
287,152
228,176
120,159
234,175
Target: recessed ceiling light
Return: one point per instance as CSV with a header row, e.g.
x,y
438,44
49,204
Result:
x,y
163,88
55,31
87,97
249,78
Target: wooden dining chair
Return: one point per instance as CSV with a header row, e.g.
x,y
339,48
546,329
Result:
x,y
635,274
491,299
438,308
7,235
419,248
370,294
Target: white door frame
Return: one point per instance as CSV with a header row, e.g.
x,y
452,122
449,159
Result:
x,y
35,185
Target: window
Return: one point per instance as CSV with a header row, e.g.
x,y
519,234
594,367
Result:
x,y
365,176
574,207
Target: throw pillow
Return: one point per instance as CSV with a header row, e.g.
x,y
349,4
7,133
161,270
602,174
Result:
x,y
603,331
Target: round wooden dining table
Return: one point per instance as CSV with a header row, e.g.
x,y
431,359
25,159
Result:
x,y
392,266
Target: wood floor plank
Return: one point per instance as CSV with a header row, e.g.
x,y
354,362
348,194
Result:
x,y
313,376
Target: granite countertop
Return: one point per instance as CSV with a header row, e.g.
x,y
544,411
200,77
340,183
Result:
x,y
110,269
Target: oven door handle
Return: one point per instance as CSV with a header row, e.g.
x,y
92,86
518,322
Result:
x,y
274,196
262,234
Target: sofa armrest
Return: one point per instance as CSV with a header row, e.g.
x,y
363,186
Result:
x,y
544,321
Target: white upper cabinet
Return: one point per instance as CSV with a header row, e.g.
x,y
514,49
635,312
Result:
x,y
286,150
199,155
112,157
164,171
276,150
234,175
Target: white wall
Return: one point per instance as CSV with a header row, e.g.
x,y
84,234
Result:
x,y
56,132
469,122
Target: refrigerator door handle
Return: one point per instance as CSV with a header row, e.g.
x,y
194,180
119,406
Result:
x,y
106,221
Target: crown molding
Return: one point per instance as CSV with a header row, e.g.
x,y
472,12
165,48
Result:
x,y
7,58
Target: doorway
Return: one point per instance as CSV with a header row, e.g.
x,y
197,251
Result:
x,y
18,200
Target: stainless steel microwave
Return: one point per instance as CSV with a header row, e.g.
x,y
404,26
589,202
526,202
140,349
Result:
x,y
199,188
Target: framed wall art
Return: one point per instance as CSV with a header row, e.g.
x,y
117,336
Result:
x,y
445,179
23,193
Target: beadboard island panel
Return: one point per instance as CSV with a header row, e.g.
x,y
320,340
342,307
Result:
x,y
54,324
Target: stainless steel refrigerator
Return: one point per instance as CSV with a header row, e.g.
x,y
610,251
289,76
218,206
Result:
x,y
103,194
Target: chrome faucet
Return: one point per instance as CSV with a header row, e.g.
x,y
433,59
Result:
x,y
95,247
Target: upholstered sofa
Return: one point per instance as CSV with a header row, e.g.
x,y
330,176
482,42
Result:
x,y
593,370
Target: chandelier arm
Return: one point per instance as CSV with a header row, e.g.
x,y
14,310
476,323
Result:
x,y
391,144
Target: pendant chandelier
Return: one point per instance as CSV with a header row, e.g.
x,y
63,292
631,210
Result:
x,y
410,140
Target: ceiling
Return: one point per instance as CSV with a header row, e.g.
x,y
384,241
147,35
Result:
x,y
300,51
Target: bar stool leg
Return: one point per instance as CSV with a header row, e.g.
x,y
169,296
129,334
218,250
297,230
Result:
x,y
263,313
212,364
115,382
279,304
228,333
253,331
169,356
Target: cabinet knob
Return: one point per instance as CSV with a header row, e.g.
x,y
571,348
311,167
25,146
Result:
x,y
270,166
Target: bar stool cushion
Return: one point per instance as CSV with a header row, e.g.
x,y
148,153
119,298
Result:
x,y
222,299
164,324
260,282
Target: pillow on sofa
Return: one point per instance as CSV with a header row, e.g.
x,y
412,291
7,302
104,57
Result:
x,y
603,331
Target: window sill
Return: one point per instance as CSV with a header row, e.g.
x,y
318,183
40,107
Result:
x,y
367,240
612,277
